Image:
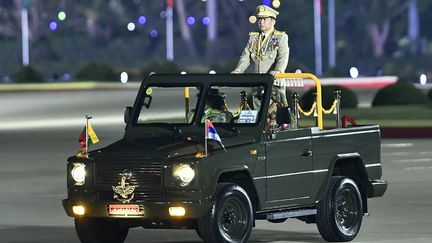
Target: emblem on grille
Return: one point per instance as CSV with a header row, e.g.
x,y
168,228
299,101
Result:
x,y
123,192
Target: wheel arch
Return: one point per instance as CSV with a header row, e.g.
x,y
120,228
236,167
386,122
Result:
x,y
243,178
352,166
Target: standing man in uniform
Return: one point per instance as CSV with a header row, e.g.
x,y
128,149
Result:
x,y
267,49
269,53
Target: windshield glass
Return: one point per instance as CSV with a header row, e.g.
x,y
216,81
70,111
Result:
x,y
226,104
172,105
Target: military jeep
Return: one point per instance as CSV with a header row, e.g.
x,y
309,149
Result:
x,y
164,173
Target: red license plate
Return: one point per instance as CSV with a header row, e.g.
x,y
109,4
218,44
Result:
x,y
125,210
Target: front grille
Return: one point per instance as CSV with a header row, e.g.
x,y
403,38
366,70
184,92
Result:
x,y
146,177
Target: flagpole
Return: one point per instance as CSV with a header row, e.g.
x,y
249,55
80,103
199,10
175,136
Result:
x,y
205,137
87,122
86,137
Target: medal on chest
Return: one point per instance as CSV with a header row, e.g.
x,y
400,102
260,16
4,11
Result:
x,y
260,48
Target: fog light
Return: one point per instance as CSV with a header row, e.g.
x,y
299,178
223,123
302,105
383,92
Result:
x,y
78,210
177,211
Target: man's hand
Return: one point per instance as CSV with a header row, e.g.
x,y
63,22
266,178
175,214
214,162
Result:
x,y
274,72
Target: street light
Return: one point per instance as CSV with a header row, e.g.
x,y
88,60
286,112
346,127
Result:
x,y
25,33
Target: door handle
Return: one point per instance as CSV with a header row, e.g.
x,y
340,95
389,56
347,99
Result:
x,y
306,153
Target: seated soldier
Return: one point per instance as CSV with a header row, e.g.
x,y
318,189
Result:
x,y
215,109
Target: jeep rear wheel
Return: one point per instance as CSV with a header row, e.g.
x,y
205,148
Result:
x,y
231,217
96,230
340,212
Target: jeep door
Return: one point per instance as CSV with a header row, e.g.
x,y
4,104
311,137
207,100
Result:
x,y
289,167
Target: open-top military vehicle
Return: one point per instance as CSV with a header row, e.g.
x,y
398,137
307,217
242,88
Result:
x,y
164,173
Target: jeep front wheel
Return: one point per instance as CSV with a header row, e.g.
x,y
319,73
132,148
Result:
x,y
96,230
231,217
340,211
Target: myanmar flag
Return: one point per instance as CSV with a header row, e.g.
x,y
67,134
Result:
x,y
92,137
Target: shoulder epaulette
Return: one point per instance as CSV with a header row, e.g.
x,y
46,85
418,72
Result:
x,y
253,33
277,32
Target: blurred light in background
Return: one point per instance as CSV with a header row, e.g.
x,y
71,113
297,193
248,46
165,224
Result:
x,y
53,26
153,33
142,20
423,79
354,73
298,71
61,16
66,76
124,77
183,72
252,19
131,26
266,2
276,3
205,20
212,72
190,20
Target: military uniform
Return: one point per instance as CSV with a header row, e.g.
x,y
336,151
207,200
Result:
x,y
216,116
269,53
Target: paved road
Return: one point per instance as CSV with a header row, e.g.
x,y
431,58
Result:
x,y
38,131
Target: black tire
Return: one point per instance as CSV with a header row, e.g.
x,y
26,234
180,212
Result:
x,y
231,217
340,212
97,230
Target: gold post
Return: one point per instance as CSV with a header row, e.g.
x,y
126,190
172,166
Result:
x,y
186,95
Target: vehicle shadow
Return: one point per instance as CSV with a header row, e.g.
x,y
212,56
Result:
x,y
257,236
57,234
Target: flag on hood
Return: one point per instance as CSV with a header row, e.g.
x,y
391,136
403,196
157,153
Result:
x,y
92,137
211,133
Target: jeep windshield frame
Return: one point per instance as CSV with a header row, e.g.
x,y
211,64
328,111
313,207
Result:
x,y
201,83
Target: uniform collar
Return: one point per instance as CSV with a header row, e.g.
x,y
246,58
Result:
x,y
270,31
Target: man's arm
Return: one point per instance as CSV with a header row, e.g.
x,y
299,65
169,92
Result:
x,y
244,62
283,55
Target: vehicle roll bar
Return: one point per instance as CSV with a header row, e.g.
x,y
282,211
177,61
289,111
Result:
x,y
318,89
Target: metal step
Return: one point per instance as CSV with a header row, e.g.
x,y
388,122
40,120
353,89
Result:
x,y
291,214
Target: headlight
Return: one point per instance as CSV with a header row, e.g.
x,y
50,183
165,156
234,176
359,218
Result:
x,y
78,173
184,173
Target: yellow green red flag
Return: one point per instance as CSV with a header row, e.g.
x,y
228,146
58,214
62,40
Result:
x,y
93,138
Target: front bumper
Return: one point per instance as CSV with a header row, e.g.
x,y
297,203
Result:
x,y
378,188
152,210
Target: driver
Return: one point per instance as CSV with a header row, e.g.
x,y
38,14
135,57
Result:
x,y
215,109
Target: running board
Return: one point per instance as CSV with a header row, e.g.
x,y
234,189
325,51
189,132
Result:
x,y
291,214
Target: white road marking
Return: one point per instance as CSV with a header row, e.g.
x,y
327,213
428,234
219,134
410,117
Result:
x,y
59,123
408,153
419,168
397,145
414,160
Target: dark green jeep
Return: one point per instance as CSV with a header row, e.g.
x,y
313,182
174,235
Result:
x,y
164,173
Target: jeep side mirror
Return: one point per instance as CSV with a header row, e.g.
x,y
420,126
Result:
x,y
126,114
283,115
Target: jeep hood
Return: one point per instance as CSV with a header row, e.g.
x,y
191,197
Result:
x,y
163,148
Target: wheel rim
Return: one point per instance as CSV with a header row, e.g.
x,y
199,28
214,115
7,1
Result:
x,y
232,219
347,210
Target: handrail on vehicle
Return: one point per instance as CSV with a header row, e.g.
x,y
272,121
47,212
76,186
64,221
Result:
x,y
318,94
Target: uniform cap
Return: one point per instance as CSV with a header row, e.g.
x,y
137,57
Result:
x,y
264,11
